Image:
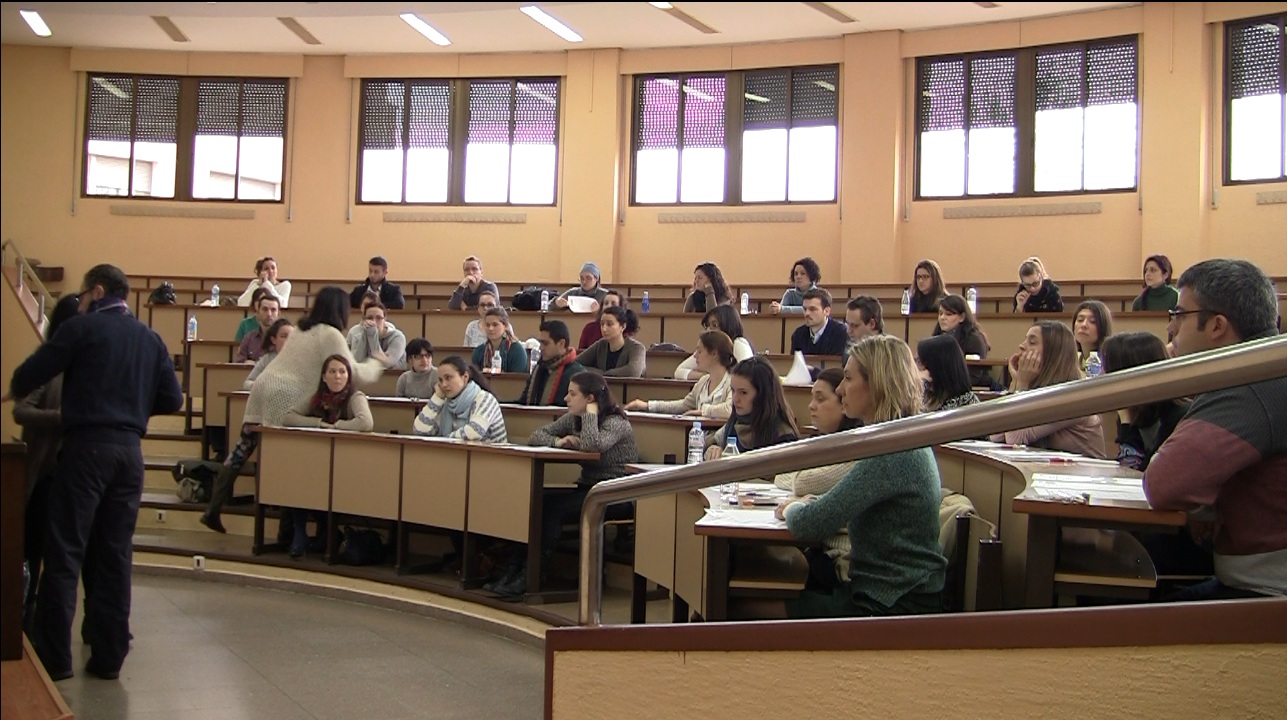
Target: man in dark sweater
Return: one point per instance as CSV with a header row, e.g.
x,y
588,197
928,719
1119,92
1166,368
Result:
x,y
117,373
377,281
819,335
548,382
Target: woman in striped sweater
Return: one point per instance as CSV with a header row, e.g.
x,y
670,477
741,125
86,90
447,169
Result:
x,y
462,406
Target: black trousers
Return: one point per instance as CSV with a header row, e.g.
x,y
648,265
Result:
x,y
93,508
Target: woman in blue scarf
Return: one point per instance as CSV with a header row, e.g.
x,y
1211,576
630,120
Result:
x,y
462,406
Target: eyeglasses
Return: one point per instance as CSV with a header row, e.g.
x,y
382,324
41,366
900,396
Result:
x,y
922,277
1178,314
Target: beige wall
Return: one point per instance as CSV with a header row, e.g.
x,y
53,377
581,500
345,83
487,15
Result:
x,y
875,233
1211,681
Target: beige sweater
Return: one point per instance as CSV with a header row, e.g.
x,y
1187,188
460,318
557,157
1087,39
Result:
x,y
816,481
713,402
294,375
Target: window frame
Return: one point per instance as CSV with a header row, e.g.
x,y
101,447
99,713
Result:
x,y
734,129
1226,131
457,138
1025,112
185,132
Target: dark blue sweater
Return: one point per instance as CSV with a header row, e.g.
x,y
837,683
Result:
x,y
116,371
834,339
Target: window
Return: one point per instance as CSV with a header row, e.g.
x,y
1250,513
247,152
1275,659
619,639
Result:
x,y
418,147
775,131
1255,124
1026,122
142,133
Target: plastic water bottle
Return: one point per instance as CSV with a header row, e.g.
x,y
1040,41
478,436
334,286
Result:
x,y
907,301
646,305
696,443
972,299
214,295
1094,367
496,361
533,358
545,301
192,328
746,303
729,490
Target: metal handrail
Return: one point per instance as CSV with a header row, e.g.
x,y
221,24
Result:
x,y
1189,375
27,278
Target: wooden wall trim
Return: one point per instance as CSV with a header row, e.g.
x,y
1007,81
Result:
x,y
1205,623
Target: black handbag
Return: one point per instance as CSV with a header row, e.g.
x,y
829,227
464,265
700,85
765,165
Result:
x,y
361,546
163,294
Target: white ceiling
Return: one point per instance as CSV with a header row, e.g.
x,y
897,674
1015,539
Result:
x,y
482,27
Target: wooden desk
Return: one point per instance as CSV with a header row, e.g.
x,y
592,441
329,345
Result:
x,y
999,481
495,490
1006,330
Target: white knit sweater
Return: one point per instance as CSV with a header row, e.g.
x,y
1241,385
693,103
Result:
x,y
297,370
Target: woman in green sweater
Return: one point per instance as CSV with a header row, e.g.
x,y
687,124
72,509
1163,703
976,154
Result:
x,y
888,503
1159,293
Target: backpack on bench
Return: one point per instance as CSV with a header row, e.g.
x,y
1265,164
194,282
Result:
x,y
196,479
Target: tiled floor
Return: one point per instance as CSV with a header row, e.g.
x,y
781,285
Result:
x,y
219,650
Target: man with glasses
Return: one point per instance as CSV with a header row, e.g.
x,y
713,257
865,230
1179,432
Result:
x,y
117,373
474,335
1227,459
419,381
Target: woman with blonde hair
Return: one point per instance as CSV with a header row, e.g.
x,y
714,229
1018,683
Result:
x,y
1048,356
889,504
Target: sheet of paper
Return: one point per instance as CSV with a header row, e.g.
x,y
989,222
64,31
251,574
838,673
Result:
x,y
1058,486
759,518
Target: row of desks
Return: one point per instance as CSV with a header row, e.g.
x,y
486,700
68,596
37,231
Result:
x,y
771,333
1052,538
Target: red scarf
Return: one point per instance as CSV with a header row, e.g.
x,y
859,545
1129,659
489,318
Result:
x,y
330,405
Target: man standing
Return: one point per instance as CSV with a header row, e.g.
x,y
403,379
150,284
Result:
x,y
1227,459
117,373
377,281
252,343
819,335
469,291
548,382
863,317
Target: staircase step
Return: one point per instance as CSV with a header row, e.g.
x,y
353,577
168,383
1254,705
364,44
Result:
x,y
171,444
164,511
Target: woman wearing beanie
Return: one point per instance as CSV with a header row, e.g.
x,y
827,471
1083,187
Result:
x,y
589,287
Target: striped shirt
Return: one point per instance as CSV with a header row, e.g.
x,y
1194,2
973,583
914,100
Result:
x,y
485,424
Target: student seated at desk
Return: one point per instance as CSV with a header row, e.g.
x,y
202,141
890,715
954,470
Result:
x,y
500,338
548,382
1048,356
474,335
761,415
1037,292
462,406
272,344
709,289
252,322
421,378
829,566
617,354
379,339
947,379
594,422
337,404
820,334
928,288
592,332
590,287
710,395
291,377
805,275
266,280
1092,325
725,319
956,320
252,343
889,504
1159,293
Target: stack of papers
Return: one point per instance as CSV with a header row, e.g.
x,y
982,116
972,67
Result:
x,y
1052,486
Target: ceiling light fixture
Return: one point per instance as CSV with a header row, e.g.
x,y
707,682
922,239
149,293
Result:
x,y
831,12
425,29
36,23
300,31
685,18
661,6
551,24
169,28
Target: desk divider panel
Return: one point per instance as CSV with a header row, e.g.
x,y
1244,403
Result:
x,y
365,477
507,387
500,487
386,386
521,422
690,550
683,330
210,352
216,323
393,417
435,481
446,327
220,378
767,332
655,539
410,322
663,364
527,324
170,322
295,470
921,326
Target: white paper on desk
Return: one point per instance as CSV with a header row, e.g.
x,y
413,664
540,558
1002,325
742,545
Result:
x,y
757,518
1099,488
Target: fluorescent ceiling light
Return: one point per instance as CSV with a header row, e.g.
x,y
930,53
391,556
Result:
x,y
425,29
825,85
36,23
661,6
551,24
